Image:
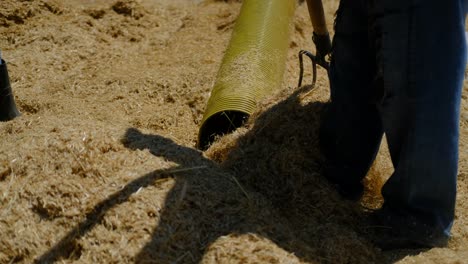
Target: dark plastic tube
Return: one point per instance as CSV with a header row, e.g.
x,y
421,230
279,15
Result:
x,y
8,110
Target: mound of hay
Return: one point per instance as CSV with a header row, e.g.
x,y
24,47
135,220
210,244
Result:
x,y
277,155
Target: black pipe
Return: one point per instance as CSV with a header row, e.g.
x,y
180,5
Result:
x,y
8,109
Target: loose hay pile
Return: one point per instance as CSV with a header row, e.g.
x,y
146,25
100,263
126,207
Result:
x,y
101,166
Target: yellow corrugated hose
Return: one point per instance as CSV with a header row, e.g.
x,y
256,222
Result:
x,y
252,66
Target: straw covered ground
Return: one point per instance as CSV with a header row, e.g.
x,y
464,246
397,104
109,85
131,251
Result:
x,y
102,167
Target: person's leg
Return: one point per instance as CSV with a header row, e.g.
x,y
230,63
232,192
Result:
x,y
351,130
424,57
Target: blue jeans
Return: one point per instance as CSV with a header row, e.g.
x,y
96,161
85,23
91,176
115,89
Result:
x,y
397,68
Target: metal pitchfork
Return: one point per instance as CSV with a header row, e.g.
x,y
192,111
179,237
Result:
x,y
321,39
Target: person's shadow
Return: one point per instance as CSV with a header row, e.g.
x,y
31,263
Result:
x,y
268,184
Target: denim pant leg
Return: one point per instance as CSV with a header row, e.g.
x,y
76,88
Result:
x,y
424,57
351,130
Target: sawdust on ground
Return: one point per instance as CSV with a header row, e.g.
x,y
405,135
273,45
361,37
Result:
x,y
101,167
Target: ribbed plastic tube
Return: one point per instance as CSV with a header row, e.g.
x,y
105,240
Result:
x,y
252,66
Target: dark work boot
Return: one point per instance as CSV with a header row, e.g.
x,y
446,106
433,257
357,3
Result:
x,y
8,109
390,230
348,187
